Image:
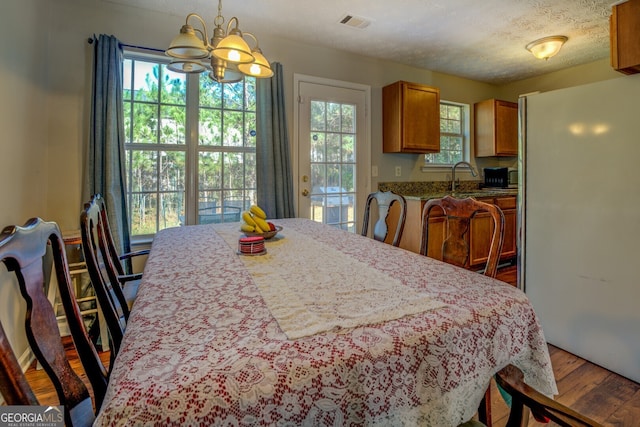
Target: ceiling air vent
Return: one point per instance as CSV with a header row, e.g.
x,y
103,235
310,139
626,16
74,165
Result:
x,y
354,21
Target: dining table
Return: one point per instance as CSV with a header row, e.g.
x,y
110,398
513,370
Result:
x,y
325,327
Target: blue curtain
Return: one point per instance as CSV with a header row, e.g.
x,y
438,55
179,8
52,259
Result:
x,y
105,162
273,178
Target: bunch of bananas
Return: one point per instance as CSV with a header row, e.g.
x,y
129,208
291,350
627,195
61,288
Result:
x,y
255,221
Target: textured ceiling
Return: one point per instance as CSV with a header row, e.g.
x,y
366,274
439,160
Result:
x,y
483,40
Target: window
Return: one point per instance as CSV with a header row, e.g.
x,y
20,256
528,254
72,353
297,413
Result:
x,y
454,145
190,146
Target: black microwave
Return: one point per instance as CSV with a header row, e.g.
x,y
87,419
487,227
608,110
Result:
x,y
496,177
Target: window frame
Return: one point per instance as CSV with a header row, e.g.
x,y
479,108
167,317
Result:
x,y
465,134
192,149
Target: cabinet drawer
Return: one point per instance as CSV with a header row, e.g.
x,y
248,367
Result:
x,y
505,202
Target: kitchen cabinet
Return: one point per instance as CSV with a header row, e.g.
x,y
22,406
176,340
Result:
x,y
496,128
410,118
479,235
624,36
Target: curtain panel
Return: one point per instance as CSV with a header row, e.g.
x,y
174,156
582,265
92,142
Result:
x,y
104,171
273,163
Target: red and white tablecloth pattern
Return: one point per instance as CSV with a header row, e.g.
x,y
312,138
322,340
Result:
x,y
202,347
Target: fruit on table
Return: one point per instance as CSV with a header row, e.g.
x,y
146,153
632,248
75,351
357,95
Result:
x,y
258,212
261,223
255,221
248,218
248,228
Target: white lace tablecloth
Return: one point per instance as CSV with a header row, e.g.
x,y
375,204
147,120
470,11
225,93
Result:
x,y
202,346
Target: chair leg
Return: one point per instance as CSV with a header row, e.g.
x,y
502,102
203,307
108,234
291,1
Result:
x,y
484,411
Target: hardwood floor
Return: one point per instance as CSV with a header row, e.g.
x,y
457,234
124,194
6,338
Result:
x,y
42,386
594,391
607,398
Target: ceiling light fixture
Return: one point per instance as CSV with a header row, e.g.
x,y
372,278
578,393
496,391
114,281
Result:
x,y
546,47
230,56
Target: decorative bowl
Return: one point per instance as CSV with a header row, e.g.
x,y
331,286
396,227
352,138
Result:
x,y
267,234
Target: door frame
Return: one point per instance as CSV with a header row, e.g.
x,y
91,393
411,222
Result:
x,y
363,163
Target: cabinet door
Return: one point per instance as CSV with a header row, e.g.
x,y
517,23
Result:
x,y
508,206
509,245
421,118
506,128
480,238
496,128
624,26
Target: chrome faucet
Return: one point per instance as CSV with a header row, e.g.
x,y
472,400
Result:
x,y
453,173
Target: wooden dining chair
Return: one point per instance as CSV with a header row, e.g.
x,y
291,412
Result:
x,y
523,400
24,250
456,221
115,269
114,303
457,240
543,408
385,201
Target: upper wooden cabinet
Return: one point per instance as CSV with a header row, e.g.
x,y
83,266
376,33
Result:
x,y
410,118
625,37
496,128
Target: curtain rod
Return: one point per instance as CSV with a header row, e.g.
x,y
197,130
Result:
x,y
90,40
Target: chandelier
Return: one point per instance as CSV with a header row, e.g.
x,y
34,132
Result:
x,y
230,56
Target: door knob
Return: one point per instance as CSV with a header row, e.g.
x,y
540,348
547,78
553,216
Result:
x,y
305,192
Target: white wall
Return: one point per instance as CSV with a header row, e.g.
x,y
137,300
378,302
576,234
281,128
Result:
x,y
46,88
23,145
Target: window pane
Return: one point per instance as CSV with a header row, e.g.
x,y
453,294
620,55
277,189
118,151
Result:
x,y
333,176
143,170
333,147
143,213
145,123
172,171
233,170
317,147
233,96
250,170
232,128
348,118
250,93
126,108
348,172
172,125
210,92
250,129
145,81
318,116
210,127
174,87
333,117
318,176
127,65
348,146
171,210
210,171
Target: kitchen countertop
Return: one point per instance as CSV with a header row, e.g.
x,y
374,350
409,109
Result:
x,y
438,189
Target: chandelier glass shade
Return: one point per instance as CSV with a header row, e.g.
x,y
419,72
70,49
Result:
x,y
230,56
546,47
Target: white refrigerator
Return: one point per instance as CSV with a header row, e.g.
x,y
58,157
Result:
x,y
579,219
